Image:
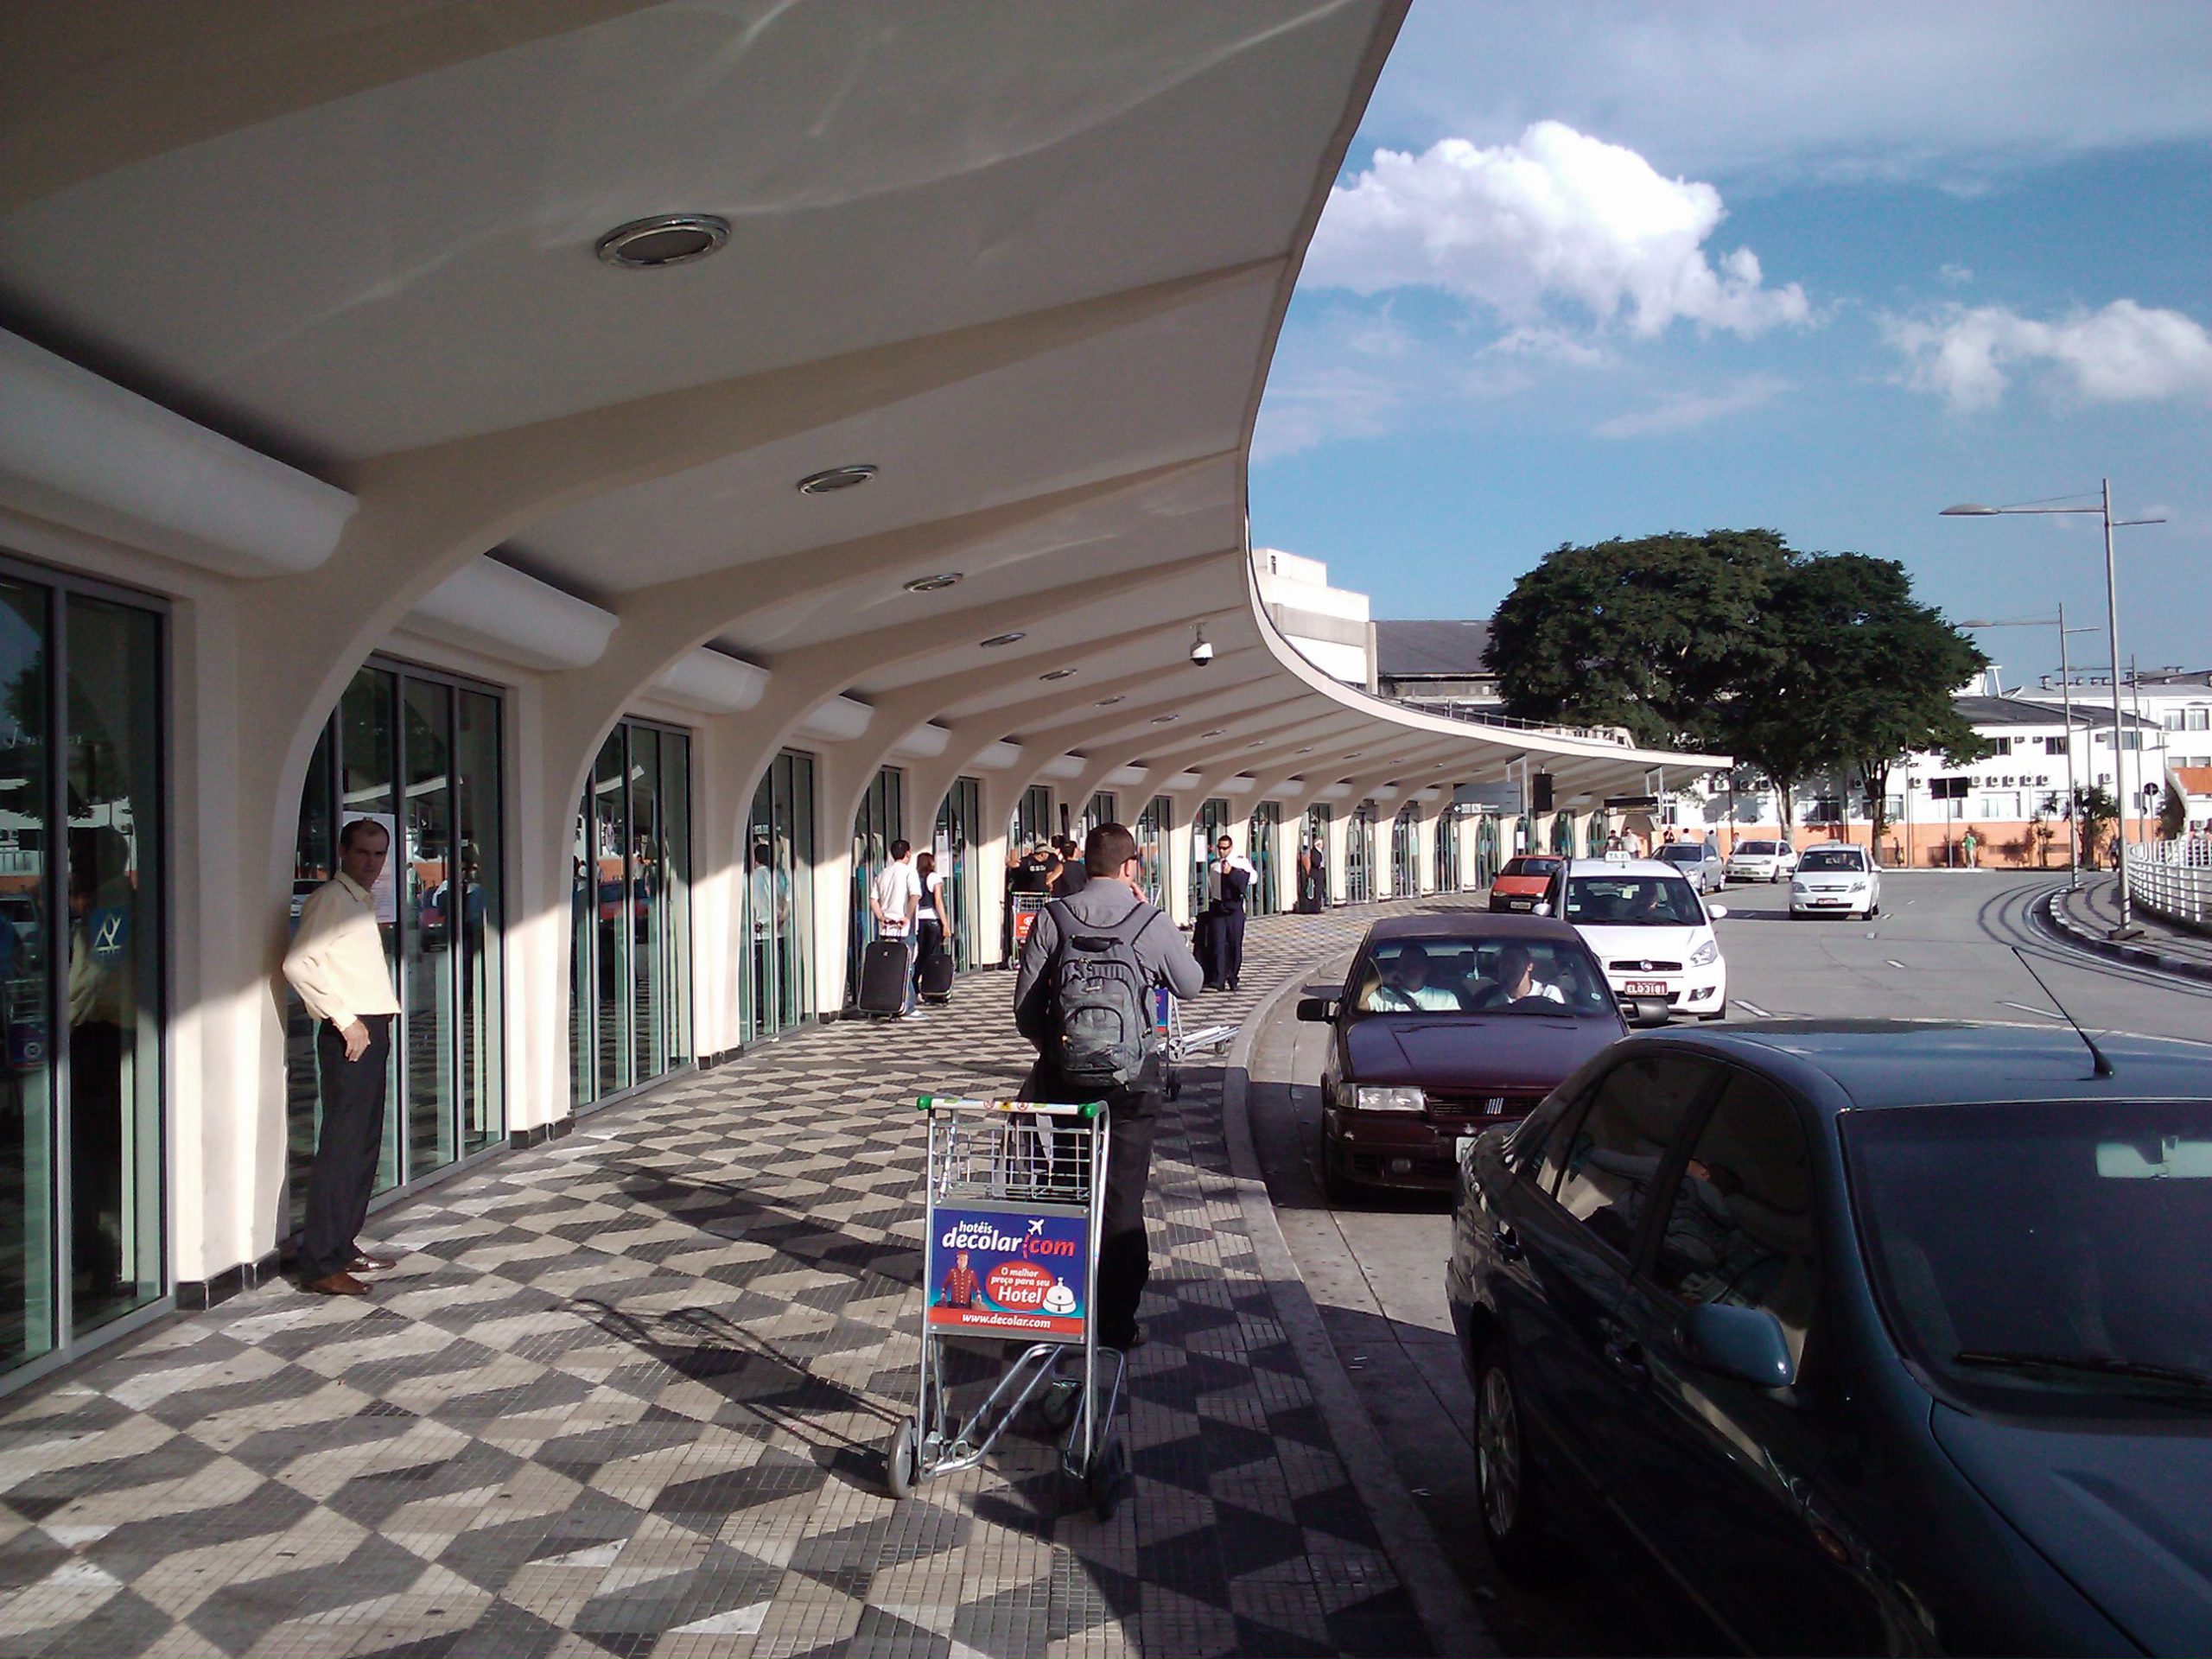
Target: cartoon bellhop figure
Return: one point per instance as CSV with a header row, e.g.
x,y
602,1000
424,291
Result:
x,y
959,1285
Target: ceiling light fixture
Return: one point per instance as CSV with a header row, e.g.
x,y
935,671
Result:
x,y
663,240
1219,731
835,478
1058,674
1108,703
935,584
1307,751
1166,720
998,640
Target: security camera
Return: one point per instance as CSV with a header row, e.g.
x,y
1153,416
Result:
x,y
1202,650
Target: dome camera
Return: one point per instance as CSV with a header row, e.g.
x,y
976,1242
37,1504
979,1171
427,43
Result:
x,y
1202,650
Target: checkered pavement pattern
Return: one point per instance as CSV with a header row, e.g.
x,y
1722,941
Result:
x,y
629,1391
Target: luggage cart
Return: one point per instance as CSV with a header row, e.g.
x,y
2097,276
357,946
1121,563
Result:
x,y
1015,1193
1177,1044
1024,908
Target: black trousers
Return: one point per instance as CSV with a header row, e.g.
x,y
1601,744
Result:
x,y
347,1153
1224,960
929,941
1124,1252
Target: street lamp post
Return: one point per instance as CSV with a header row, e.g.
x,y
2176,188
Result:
x,y
2066,699
1975,509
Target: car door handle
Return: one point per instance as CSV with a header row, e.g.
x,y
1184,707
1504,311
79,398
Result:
x,y
1625,1354
1506,1243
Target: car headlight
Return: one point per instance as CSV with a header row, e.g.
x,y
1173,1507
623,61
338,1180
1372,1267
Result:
x,y
1797,888
1705,955
1388,1099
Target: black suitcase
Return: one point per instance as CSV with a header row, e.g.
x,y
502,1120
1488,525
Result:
x,y
884,967
934,979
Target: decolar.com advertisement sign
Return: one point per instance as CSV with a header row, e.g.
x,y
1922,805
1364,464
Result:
x,y
1006,1273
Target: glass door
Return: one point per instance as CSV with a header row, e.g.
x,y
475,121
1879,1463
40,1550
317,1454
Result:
x,y
1359,855
1260,837
1152,825
1213,818
777,990
958,818
419,753
879,820
1447,850
1405,853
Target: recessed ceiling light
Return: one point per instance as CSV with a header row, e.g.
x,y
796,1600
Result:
x,y
1257,743
836,479
1108,703
1166,720
1216,731
1306,751
998,640
935,584
1059,674
663,240
1355,754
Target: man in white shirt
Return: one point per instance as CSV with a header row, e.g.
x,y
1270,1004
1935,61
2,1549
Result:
x,y
1409,990
337,965
1230,878
893,900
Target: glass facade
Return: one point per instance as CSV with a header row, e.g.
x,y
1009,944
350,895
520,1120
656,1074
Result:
x,y
1486,850
881,820
776,991
1447,850
1313,842
1032,822
420,754
1405,853
82,1199
1102,807
1359,855
630,915
1562,834
959,818
1151,830
1213,818
1261,833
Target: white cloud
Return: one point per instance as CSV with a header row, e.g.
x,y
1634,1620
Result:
x,y
2125,354
1682,410
1556,215
1954,274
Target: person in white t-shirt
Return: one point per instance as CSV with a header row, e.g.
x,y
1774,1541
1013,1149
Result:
x,y
932,915
893,900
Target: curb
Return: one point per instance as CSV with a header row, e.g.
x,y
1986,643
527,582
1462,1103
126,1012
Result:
x,y
2047,909
1446,1610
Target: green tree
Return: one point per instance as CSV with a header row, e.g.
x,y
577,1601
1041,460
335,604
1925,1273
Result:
x,y
1859,676
2173,813
2094,808
1650,634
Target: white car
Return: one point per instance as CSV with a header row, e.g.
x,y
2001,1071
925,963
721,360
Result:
x,y
1652,933
1836,880
1762,861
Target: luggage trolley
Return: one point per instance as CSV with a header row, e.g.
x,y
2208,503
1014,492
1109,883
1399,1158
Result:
x,y
1177,1045
1015,1196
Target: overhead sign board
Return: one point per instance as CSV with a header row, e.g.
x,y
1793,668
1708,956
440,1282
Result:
x,y
1630,803
1494,798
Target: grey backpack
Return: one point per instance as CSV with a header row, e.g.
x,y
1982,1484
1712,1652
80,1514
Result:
x,y
1102,1016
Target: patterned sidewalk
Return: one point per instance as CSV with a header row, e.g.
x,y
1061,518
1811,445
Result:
x,y
627,1394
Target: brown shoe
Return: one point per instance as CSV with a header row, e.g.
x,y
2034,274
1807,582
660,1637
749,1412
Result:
x,y
335,1284
367,1263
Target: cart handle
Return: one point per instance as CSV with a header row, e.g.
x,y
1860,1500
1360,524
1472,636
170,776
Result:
x,y
955,1103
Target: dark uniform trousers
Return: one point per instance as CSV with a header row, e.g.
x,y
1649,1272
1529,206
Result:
x,y
1223,957
1124,1254
346,1154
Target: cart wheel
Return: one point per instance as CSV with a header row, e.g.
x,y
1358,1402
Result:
x,y
1057,1405
901,1469
1108,1480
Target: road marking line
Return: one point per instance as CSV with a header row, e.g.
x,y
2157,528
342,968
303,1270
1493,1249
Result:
x,y
2048,1013
1893,962
1742,1002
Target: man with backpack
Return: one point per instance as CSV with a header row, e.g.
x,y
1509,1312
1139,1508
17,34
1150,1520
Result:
x,y
1083,996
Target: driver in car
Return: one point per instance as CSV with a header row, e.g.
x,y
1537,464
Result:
x,y
1516,977
1409,991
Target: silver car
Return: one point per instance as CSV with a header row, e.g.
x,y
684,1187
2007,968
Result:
x,y
1699,864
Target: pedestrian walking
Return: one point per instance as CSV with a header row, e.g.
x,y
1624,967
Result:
x,y
1229,877
932,918
1970,848
337,965
895,899
1112,910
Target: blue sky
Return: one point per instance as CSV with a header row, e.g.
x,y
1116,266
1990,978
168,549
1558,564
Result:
x,y
1980,268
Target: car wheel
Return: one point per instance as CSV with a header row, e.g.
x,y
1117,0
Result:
x,y
1505,1485
1337,1189
1720,1013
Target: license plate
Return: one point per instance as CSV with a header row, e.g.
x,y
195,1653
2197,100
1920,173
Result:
x,y
1643,987
1521,904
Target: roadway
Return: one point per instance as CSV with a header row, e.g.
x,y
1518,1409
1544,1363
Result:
x,y
1941,948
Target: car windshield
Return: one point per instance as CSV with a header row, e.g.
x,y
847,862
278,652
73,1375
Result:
x,y
1529,867
2046,1256
1754,849
1830,858
1633,901
1460,975
1679,854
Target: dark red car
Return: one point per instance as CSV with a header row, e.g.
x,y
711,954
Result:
x,y
1449,1025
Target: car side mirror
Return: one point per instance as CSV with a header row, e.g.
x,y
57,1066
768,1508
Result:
x,y
1317,1010
1716,912
1542,908
1745,1342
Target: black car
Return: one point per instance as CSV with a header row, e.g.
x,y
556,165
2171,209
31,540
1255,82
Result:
x,y
1879,1337
1449,1024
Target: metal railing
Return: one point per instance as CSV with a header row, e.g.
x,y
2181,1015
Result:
x,y
2174,879
1474,716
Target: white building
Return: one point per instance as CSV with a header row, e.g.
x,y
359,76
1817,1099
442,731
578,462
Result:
x,y
1330,626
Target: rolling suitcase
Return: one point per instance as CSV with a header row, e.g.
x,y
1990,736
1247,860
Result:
x,y
884,967
934,979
